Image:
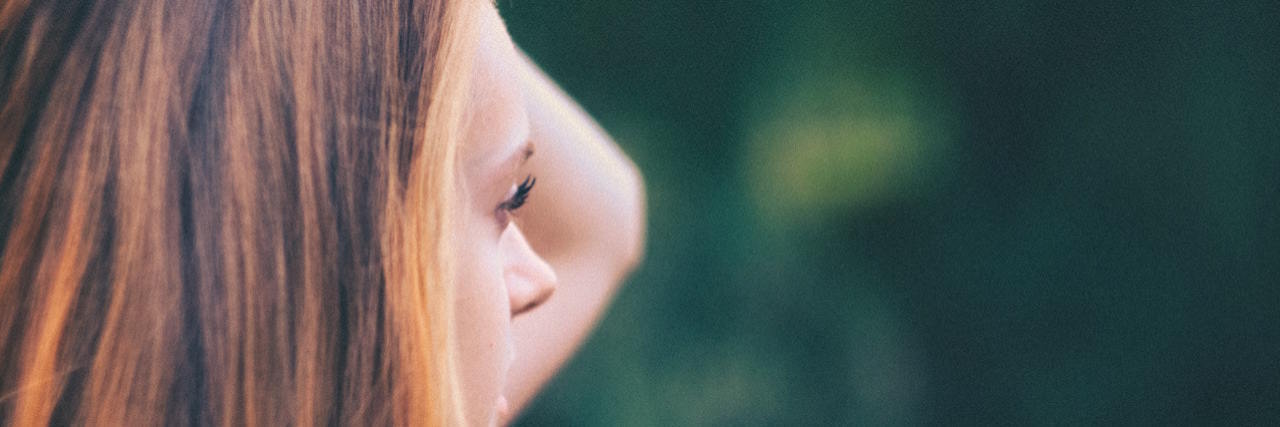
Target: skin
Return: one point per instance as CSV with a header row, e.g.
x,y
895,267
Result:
x,y
578,235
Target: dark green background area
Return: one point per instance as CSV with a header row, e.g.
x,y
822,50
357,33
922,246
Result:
x,y
938,213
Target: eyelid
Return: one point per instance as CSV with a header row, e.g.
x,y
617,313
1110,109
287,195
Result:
x,y
516,200
521,193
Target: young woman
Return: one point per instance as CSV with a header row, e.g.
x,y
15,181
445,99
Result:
x,y
246,212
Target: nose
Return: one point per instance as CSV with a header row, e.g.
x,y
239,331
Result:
x,y
530,279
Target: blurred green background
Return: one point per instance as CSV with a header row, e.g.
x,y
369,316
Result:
x,y
932,212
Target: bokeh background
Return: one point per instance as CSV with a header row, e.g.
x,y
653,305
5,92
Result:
x,y
932,212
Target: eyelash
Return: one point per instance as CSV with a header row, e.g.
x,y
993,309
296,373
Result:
x,y
508,207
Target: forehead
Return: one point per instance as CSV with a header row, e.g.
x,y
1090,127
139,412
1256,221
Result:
x,y
497,117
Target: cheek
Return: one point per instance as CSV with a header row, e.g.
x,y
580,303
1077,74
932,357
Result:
x,y
482,315
479,284
481,297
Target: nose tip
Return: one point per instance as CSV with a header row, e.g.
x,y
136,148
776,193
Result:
x,y
530,279
531,297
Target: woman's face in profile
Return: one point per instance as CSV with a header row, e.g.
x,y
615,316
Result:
x,y
500,276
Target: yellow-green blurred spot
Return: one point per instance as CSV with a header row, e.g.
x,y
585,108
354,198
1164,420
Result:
x,y
831,145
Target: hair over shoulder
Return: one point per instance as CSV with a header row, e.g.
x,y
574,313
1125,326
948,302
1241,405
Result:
x,y
228,211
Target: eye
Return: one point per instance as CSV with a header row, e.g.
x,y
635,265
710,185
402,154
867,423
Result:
x,y
517,199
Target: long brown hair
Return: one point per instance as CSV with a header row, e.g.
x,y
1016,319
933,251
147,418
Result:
x,y
228,211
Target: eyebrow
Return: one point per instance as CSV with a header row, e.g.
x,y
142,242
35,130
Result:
x,y
526,153
520,152
523,151
518,158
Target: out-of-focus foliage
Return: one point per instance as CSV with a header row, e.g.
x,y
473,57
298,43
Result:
x,y
882,213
